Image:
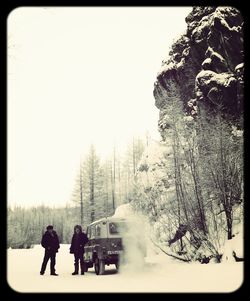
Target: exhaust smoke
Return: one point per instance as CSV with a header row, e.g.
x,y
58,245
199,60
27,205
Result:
x,y
134,237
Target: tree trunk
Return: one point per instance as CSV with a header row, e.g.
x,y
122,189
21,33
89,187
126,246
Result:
x,y
81,194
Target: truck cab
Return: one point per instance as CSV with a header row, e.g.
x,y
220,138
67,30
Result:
x,y
105,244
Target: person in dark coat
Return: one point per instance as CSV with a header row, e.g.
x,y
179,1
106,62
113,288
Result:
x,y
79,239
181,231
50,243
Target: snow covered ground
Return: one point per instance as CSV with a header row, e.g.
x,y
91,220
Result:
x,y
160,273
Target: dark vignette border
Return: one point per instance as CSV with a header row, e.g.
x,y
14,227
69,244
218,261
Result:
x,y
6,290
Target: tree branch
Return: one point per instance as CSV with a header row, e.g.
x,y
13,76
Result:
x,y
172,255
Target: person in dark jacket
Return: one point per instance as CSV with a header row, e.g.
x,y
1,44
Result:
x,y
79,239
50,243
181,231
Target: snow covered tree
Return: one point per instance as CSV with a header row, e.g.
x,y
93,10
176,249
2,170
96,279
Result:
x,y
221,153
93,186
130,166
77,195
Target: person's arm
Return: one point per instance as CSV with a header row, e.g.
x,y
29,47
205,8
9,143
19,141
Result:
x,y
44,242
57,240
85,239
71,245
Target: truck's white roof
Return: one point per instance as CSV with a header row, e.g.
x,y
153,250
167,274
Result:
x,y
108,219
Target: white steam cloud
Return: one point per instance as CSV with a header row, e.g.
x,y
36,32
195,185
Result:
x,y
134,239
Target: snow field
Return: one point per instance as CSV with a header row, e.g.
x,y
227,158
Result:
x,y
160,273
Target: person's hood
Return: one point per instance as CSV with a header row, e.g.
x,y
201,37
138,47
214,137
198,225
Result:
x,y
78,227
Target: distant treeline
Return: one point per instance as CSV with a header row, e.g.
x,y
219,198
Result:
x,y
99,188
27,225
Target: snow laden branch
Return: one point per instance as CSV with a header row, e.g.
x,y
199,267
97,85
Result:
x,y
168,252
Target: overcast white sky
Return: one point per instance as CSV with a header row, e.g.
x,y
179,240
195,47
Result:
x,y
78,76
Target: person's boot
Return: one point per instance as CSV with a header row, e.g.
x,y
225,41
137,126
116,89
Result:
x,y
76,270
54,274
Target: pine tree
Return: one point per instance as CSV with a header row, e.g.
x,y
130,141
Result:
x,y
93,186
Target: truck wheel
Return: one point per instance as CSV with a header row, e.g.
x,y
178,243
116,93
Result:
x,y
99,266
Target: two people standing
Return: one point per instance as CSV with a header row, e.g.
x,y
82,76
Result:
x,y
51,244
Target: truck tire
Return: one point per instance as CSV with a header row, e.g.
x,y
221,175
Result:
x,y
99,266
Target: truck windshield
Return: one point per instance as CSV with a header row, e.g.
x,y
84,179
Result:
x,y
117,228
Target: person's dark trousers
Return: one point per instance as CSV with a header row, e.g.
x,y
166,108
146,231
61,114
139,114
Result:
x,y
52,256
79,257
